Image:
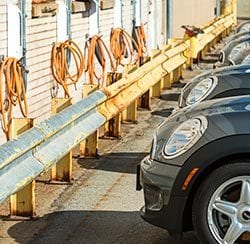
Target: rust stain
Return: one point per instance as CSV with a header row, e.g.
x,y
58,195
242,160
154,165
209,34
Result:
x,y
107,195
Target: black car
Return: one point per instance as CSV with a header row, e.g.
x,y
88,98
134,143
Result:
x,y
246,60
243,27
238,58
197,175
223,82
233,48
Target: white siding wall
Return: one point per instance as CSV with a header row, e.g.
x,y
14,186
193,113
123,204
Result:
x,y
79,29
106,22
41,33
3,29
127,15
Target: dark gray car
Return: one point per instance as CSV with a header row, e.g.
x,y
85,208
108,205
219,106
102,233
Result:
x,y
197,175
223,82
233,48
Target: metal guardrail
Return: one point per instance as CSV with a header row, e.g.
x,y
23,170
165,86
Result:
x,y
35,151
38,149
211,33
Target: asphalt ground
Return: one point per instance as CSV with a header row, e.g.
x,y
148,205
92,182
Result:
x,y
102,205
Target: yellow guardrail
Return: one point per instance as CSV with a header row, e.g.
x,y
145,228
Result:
x,y
40,148
212,33
122,93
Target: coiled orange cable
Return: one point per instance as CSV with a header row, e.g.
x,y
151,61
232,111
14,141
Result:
x,y
12,92
98,47
121,46
60,66
141,41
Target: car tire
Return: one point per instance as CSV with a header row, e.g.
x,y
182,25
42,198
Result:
x,y
206,193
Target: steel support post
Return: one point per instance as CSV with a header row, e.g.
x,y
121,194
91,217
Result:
x,y
62,171
156,89
113,127
23,202
88,148
129,114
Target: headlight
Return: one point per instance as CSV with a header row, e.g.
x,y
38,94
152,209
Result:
x,y
153,147
184,137
202,90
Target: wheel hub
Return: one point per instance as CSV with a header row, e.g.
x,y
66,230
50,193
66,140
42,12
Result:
x,y
246,215
237,212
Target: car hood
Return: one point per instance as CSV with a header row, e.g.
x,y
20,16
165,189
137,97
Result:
x,y
225,117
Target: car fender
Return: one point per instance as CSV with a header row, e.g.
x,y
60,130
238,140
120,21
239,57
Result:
x,y
207,157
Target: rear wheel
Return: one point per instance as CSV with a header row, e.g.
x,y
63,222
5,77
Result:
x,y
221,210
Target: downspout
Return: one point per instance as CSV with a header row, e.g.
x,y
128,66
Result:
x,y
134,6
218,8
69,12
98,14
170,19
23,40
137,14
68,27
121,14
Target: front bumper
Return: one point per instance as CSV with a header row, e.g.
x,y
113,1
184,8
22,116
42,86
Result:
x,y
157,180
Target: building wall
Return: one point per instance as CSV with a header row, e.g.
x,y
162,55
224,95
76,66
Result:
x,y
127,15
191,12
38,61
106,23
3,29
243,8
42,33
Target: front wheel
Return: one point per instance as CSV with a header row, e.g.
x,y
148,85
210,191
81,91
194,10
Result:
x,y
221,210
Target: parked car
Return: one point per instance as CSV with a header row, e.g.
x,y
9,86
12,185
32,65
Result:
x,y
232,48
197,175
223,82
236,36
246,60
243,27
238,57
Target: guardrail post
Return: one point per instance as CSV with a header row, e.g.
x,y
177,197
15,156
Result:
x,y
130,114
177,74
166,80
156,89
22,203
88,148
187,53
113,127
204,52
62,171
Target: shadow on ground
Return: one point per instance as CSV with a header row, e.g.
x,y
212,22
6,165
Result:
x,y
178,85
93,227
163,113
122,162
170,97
